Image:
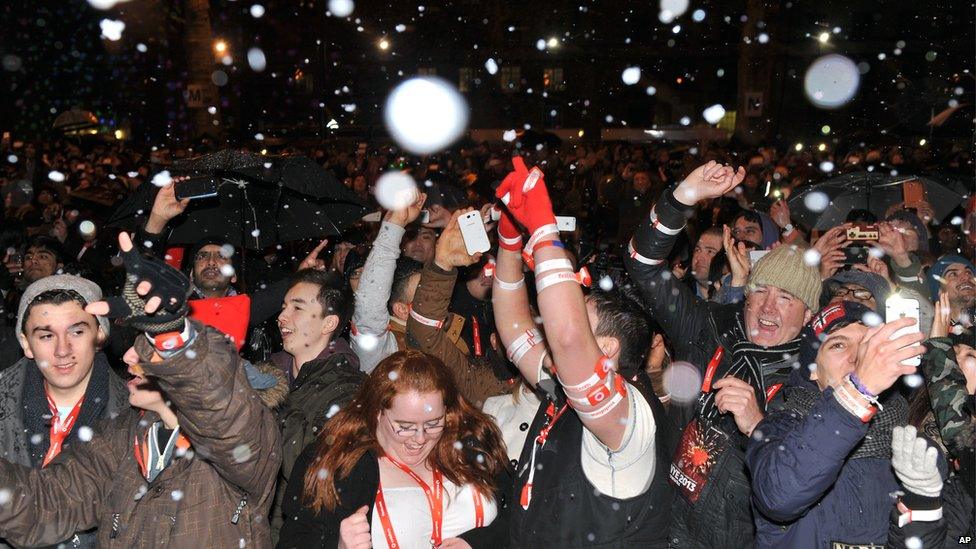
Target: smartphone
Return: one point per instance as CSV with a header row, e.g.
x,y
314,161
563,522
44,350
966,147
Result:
x,y
913,193
856,255
373,217
565,223
756,255
474,233
199,186
900,307
863,231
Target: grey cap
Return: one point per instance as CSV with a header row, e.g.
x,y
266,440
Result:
x,y
87,289
872,282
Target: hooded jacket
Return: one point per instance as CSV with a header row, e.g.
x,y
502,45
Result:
x,y
215,495
322,387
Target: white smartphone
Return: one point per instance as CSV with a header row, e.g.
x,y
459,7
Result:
x,y
374,217
473,232
756,255
565,223
900,307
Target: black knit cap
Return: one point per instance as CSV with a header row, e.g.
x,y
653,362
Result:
x,y
831,318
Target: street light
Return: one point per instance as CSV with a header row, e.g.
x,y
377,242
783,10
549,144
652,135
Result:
x,y
824,37
384,44
553,42
220,47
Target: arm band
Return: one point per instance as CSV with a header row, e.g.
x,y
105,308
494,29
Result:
x,y
426,321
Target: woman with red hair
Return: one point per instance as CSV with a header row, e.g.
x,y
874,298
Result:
x,y
407,463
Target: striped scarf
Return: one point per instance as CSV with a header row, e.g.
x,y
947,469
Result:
x,y
750,363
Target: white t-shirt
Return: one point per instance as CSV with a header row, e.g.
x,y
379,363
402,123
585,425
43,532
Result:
x,y
627,472
410,515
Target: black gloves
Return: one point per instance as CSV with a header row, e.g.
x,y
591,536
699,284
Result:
x,y
170,285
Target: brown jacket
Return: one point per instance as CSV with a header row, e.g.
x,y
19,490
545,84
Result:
x,y
217,495
475,379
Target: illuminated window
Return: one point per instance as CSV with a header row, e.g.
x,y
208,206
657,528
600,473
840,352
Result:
x,y
465,76
427,71
552,79
510,78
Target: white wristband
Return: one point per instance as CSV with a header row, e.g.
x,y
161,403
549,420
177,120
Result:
x,y
523,344
553,279
656,223
604,408
639,258
509,286
542,231
553,264
911,515
426,321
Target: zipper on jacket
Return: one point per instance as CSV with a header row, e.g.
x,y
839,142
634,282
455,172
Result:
x,y
237,513
115,526
613,474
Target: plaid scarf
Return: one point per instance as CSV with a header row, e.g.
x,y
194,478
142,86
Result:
x,y
749,362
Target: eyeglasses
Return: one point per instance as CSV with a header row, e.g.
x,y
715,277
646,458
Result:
x,y
860,295
409,432
217,257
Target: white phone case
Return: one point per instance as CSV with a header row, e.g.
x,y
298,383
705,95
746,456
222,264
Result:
x,y
901,307
565,223
473,232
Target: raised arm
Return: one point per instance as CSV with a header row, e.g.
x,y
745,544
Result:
x,y
370,316
679,313
589,379
152,236
519,334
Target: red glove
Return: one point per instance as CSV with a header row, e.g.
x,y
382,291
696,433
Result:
x,y
509,236
531,208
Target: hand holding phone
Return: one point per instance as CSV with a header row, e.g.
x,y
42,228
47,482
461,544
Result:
x,y
452,248
195,187
474,233
897,307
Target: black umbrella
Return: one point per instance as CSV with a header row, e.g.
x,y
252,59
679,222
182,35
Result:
x,y
261,201
826,204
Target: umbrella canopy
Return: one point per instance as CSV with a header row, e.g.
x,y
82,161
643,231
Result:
x,y
75,120
260,202
872,191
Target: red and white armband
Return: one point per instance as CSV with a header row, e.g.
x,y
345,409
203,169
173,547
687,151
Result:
x,y
426,321
604,389
632,251
916,515
523,344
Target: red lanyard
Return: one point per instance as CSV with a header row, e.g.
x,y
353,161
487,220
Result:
x,y
552,416
476,335
60,427
712,366
435,499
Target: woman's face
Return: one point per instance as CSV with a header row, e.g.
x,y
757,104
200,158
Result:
x,y
411,426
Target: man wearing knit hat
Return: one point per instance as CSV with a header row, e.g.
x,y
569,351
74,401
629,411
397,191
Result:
x,y
868,289
744,352
805,497
953,274
64,384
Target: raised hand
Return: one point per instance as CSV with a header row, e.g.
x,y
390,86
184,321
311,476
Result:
x,y
312,260
409,214
530,207
450,251
354,531
941,318
915,462
780,212
165,207
154,297
738,258
710,180
892,242
879,358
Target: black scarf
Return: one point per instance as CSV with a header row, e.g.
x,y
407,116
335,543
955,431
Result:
x,y
37,415
877,442
749,362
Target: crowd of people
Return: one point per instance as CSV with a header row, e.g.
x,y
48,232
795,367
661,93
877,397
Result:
x,y
643,380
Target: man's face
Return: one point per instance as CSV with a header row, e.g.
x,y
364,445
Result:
x,y
837,355
743,229
39,263
421,246
143,392
61,339
959,285
302,321
708,245
855,293
207,265
479,286
642,182
773,316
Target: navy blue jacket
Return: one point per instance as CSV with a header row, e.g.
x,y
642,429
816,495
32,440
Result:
x,y
805,492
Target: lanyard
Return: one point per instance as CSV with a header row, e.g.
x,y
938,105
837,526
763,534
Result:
x,y
60,427
712,366
435,498
142,457
552,416
476,335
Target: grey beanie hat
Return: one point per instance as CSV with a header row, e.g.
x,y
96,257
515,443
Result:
x,y
87,289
